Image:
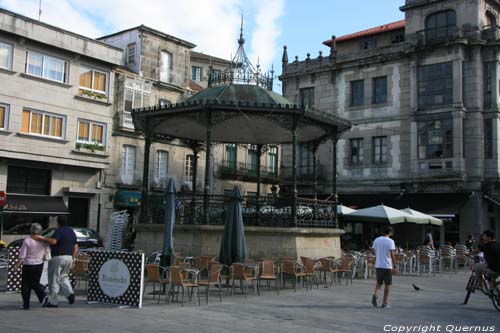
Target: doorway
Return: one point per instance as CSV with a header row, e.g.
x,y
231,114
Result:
x,y
79,212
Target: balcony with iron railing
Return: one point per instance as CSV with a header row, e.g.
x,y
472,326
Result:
x,y
305,174
126,121
490,33
441,35
246,171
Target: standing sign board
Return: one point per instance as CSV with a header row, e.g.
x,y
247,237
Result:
x,y
13,275
116,277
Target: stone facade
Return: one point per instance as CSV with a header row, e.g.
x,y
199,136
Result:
x,y
430,126
30,90
261,242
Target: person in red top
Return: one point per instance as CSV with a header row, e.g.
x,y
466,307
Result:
x,y
31,257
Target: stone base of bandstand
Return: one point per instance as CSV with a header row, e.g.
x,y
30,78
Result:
x,y
262,242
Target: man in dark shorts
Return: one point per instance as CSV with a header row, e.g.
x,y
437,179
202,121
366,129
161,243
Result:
x,y
491,250
64,249
384,248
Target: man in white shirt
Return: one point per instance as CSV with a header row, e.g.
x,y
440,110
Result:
x,y
384,248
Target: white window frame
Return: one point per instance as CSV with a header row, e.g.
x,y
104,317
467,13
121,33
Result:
x,y
197,76
166,70
159,169
106,87
189,171
9,60
90,122
5,125
127,173
44,113
272,152
143,87
44,58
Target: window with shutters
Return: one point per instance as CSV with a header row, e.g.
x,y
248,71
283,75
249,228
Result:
x,y
43,124
4,116
93,81
91,132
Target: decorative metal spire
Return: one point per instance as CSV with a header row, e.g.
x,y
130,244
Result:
x,y
241,70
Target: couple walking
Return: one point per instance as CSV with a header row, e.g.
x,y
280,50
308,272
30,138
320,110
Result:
x,y
63,250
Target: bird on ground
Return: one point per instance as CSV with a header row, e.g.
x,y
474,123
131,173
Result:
x,y
417,288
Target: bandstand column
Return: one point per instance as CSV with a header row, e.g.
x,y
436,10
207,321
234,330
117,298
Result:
x,y
259,179
334,180
144,217
293,220
206,189
314,149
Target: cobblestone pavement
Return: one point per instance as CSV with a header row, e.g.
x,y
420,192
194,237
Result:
x,y
333,309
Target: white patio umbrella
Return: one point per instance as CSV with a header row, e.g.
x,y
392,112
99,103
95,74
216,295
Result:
x,y
342,210
425,218
380,214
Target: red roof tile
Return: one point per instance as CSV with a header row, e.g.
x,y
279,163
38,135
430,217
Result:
x,y
368,32
195,86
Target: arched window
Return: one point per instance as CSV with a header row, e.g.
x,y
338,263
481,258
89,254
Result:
x,y
491,20
440,25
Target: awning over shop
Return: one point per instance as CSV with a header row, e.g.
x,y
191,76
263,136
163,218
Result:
x,y
128,199
440,204
33,204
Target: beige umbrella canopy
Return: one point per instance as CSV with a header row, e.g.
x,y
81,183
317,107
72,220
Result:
x,y
343,210
424,218
380,214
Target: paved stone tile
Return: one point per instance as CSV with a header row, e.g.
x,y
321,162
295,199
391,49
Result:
x,y
333,309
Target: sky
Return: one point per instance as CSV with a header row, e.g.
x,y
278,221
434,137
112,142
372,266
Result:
x,y
213,25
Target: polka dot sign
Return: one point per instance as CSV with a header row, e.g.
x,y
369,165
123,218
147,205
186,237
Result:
x,y
13,275
116,277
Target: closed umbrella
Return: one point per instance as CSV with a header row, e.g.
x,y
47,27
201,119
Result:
x,y
380,214
168,241
424,218
233,246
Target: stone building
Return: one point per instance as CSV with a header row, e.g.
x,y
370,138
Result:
x,y
424,95
202,64
56,99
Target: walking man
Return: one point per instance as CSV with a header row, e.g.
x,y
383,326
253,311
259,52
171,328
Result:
x,y
64,249
384,248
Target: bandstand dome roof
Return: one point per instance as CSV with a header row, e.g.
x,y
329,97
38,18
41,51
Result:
x,y
237,113
238,107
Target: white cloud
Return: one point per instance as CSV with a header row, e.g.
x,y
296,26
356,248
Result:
x,y
212,25
266,32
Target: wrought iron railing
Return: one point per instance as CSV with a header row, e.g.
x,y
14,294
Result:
x,y
304,173
439,35
246,171
239,77
267,211
490,32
